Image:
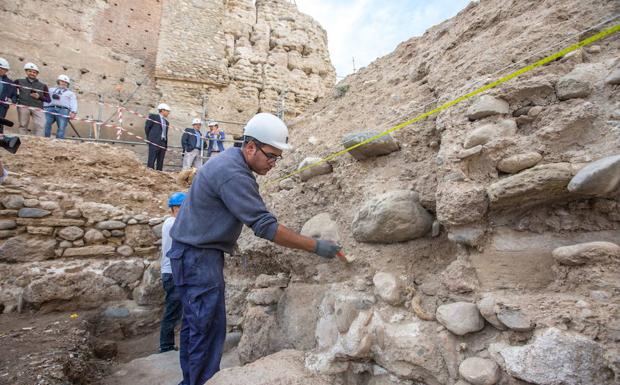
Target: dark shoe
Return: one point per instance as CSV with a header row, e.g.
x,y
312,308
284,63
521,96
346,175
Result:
x,y
164,350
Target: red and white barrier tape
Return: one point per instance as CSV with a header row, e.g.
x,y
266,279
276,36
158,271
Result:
x,y
119,128
116,107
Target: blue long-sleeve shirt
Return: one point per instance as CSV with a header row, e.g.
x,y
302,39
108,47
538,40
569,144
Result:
x,y
224,196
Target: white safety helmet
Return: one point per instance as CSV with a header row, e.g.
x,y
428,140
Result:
x,y
64,78
163,106
213,123
31,66
4,64
268,129
196,121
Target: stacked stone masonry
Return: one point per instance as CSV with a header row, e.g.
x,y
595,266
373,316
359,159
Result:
x,y
74,254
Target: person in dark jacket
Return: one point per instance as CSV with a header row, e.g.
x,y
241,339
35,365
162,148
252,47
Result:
x,y
31,93
8,93
223,197
191,141
156,130
216,139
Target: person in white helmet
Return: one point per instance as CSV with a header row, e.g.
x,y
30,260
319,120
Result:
x,y
192,142
216,139
8,93
31,93
156,130
61,108
222,198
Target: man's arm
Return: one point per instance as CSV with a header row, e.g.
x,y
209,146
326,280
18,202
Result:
x,y
241,197
45,95
185,141
148,124
74,105
13,92
291,239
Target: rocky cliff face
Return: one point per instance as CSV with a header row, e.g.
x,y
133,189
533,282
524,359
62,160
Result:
x,y
241,57
522,186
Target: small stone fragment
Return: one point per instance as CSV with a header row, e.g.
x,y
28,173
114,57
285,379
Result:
x,y
479,371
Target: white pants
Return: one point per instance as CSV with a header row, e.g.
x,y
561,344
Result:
x,y
38,121
192,159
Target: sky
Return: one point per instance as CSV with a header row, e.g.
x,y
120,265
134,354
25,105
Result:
x,y
368,29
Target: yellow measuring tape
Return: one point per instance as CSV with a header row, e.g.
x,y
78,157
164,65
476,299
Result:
x,y
451,103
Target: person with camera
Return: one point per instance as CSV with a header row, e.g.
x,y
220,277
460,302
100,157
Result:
x,y
7,90
61,108
31,93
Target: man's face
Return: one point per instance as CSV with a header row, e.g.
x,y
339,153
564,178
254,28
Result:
x,y
261,158
32,74
63,84
197,126
3,71
164,113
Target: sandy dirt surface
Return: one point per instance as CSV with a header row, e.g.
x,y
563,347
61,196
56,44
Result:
x,y
96,172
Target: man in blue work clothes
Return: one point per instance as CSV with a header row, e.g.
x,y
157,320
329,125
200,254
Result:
x,y
224,196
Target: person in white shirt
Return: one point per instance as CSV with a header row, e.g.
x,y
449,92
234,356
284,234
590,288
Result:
x,y
63,102
173,308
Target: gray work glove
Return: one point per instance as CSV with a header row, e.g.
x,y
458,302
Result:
x,y
326,249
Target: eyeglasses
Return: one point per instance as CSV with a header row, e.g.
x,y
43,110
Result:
x,y
268,155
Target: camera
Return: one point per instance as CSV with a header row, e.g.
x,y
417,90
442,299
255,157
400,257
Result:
x,y
9,143
55,96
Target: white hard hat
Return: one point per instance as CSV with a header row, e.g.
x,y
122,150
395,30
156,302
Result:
x,y
163,106
4,64
31,66
268,129
64,78
212,123
196,121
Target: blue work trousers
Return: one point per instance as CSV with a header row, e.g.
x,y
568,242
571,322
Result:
x,y
61,121
199,276
172,314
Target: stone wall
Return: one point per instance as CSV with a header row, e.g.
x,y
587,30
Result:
x,y
244,57
142,52
61,252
